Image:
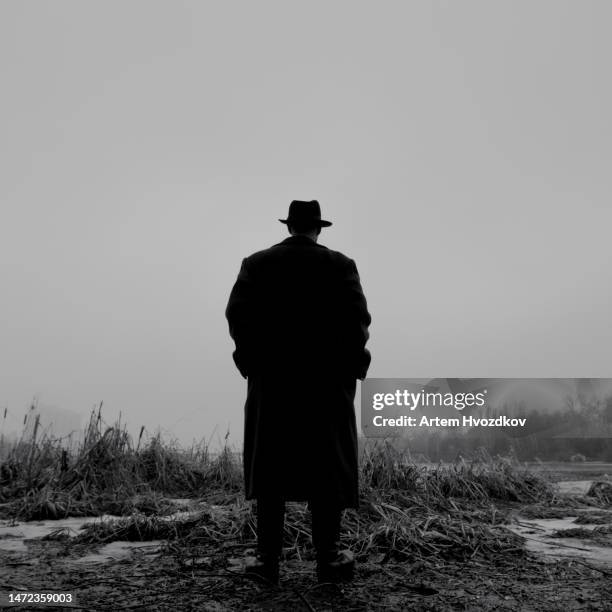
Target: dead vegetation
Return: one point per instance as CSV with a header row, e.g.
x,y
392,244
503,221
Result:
x,y
45,478
601,490
407,511
414,519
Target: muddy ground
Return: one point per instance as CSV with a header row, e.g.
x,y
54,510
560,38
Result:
x,y
548,573
154,579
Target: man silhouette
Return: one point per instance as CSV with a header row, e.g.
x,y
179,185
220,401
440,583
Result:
x,y
299,319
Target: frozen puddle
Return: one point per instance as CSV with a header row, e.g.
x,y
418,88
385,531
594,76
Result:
x,y
574,487
115,551
536,532
13,535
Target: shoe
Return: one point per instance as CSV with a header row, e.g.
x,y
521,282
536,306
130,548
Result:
x,y
264,566
337,566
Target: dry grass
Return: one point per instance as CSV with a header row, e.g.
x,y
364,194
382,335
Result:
x,y
408,510
41,477
435,531
601,490
595,517
381,529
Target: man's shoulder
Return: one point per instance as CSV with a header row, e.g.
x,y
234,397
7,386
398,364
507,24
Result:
x,y
340,258
279,251
262,255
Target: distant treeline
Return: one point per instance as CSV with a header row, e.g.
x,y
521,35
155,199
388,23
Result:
x,y
574,431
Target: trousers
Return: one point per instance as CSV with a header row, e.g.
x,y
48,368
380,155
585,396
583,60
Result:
x,y
326,518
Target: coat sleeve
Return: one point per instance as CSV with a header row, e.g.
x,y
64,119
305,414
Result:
x,y
240,317
356,320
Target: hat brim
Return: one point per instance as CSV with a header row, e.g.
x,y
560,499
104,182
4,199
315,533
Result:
x,y
319,222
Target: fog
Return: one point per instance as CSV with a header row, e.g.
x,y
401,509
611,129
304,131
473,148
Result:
x,y
462,151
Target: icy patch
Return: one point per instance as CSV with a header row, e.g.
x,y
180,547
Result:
x,y
536,532
13,535
574,487
116,551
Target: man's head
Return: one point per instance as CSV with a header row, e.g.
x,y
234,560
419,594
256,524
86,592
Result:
x,y
311,231
304,219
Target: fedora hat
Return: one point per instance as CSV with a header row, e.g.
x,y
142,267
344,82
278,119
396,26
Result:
x,y
305,213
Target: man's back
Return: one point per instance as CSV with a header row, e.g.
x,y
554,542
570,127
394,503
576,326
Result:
x,y
298,307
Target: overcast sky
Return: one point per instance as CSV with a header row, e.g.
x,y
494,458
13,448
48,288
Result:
x,y
461,149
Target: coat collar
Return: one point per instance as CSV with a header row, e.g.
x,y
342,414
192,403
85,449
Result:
x,y
299,241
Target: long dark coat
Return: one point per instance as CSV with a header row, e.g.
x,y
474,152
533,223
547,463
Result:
x,y
299,318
